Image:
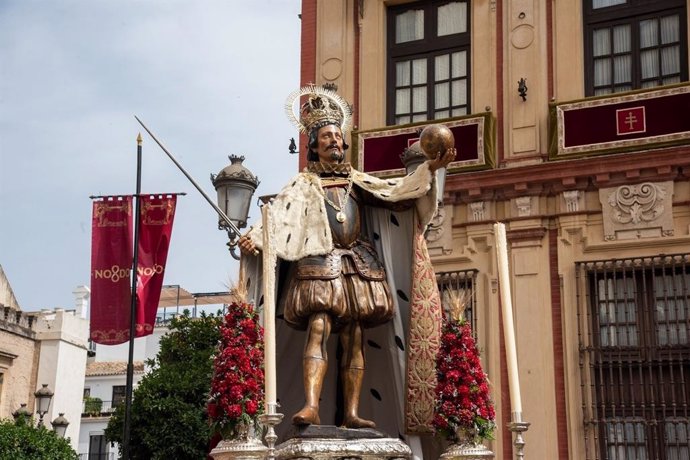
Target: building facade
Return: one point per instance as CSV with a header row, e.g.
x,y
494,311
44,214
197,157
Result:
x,y
570,120
104,390
43,348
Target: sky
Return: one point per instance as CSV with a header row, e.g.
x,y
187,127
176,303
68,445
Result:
x,y
208,77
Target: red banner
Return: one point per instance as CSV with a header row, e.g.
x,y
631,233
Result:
x,y
155,228
111,263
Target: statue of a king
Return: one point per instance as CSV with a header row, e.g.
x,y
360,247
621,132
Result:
x,y
335,279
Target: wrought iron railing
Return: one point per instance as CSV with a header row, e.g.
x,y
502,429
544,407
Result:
x,y
104,456
634,341
95,407
461,286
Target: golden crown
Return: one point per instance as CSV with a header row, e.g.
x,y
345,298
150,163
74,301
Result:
x,y
322,107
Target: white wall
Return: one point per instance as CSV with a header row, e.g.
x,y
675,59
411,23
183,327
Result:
x,y
144,348
92,427
62,365
100,387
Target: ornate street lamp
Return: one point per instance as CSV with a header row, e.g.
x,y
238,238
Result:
x,y
21,415
412,157
235,186
43,397
60,425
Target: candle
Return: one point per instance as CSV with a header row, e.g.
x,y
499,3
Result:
x,y
269,315
507,310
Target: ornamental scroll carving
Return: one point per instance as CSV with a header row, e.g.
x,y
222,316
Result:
x,y
438,234
637,211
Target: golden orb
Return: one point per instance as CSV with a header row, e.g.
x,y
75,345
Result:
x,y
436,139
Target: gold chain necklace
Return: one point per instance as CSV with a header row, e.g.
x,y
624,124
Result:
x,y
340,215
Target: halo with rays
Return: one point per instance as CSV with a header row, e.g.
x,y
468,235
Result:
x,y
314,91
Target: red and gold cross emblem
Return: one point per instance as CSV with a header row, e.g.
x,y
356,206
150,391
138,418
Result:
x,y
630,121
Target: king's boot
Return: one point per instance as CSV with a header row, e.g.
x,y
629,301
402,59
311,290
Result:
x,y
314,371
352,386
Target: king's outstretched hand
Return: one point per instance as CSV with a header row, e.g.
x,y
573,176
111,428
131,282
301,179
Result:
x,y
443,160
247,246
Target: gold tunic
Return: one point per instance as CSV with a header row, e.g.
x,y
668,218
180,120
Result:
x,y
349,283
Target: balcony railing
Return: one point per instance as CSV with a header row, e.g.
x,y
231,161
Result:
x,y
106,456
95,407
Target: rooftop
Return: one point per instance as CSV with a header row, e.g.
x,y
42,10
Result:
x,y
98,368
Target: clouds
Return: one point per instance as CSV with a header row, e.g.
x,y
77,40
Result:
x,y
208,77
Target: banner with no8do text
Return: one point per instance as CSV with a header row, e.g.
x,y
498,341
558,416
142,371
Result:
x,y
155,228
111,264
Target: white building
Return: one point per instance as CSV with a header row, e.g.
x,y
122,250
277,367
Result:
x,y
104,389
47,347
106,371
62,338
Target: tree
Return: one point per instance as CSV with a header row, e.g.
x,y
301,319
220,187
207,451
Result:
x,y
23,441
169,418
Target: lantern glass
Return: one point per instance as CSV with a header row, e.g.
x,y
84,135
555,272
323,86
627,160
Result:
x,y
60,425
413,164
234,200
234,186
43,398
440,184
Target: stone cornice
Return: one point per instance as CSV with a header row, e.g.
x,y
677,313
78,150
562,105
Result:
x,y
526,234
553,177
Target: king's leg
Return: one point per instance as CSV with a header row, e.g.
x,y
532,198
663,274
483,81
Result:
x,y
315,364
353,373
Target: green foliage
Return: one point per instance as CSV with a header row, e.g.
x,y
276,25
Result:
x,y
93,406
169,418
23,441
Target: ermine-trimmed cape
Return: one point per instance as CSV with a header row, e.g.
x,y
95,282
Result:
x,y
400,377
298,213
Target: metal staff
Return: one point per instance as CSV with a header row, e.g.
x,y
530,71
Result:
x,y
133,313
220,212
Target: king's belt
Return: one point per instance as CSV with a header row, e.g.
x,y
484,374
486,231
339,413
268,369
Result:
x,y
364,260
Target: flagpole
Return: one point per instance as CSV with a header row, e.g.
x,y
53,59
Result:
x,y
133,311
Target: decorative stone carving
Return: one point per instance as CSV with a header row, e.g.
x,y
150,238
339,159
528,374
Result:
x,y
637,211
524,206
439,233
477,211
435,230
572,200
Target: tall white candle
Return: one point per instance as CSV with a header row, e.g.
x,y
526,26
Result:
x,y
507,310
269,315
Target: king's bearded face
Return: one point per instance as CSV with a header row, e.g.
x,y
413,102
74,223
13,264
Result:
x,y
330,144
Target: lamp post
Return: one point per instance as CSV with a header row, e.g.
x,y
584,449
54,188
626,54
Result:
x,y
235,186
21,415
60,425
43,397
412,157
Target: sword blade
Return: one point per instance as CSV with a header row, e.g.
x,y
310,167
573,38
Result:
x,y
220,212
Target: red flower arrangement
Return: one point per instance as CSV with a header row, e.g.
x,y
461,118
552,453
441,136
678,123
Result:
x,y
237,387
463,404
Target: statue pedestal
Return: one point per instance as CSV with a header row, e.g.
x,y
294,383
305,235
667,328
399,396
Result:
x,y
330,443
467,451
251,449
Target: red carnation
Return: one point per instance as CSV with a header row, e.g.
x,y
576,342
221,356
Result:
x,y
234,410
237,384
251,407
462,391
453,376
